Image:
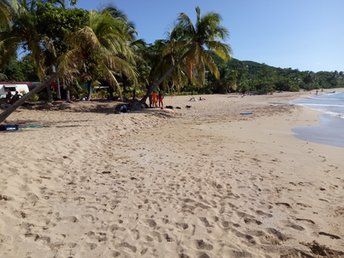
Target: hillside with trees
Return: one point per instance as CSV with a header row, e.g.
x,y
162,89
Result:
x,y
253,77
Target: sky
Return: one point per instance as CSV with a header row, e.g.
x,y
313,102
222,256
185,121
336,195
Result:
x,y
299,34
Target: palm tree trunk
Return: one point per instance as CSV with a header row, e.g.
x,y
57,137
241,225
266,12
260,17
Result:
x,y
21,101
50,95
68,96
67,91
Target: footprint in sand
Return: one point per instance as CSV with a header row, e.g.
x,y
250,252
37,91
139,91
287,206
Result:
x,y
182,225
295,226
92,246
307,220
285,204
277,234
5,198
201,244
168,237
115,253
149,238
329,235
97,236
88,217
250,221
151,223
262,213
205,222
128,246
72,219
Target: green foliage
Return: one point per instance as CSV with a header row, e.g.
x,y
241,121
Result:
x,y
55,22
196,45
35,98
100,94
261,78
20,70
99,50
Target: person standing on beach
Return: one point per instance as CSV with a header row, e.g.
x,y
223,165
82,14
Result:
x,y
161,99
154,99
149,97
150,100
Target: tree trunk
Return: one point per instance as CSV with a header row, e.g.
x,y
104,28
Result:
x,y
58,89
50,95
21,101
68,96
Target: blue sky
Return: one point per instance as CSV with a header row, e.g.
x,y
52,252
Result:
x,y
301,34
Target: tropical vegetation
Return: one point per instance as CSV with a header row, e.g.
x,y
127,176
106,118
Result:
x,y
48,42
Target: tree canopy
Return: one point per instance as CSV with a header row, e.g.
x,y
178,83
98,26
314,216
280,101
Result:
x,y
102,47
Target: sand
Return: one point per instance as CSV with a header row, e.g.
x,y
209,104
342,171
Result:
x,y
199,182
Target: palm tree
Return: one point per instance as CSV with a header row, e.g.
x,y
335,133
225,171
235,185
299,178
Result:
x,y
22,32
18,28
163,54
100,50
193,45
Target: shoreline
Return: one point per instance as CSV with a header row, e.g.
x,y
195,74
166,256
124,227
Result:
x,y
328,132
199,182
328,129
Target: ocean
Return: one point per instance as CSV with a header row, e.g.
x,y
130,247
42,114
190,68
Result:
x,y
330,131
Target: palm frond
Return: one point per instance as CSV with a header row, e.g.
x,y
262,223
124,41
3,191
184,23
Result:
x,y
108,75
183,28
220,49
84,38
209,62
116,63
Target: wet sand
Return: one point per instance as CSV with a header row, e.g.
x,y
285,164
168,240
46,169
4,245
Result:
x,y
329,131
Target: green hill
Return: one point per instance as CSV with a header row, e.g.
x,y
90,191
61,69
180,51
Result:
x,y
250,76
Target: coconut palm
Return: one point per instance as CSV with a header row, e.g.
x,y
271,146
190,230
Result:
x,y
163,54
100,50
22,32
193,44
19,29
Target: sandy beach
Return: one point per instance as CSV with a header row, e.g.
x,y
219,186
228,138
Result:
x,y
200,182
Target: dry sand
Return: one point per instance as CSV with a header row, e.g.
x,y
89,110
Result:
x,y
198,182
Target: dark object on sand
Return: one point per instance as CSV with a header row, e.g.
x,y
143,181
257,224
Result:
x,y
9,127
246,113
170,107
187,106
122,108
178,108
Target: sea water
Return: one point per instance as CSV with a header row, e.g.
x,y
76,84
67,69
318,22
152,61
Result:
x,y
330,131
